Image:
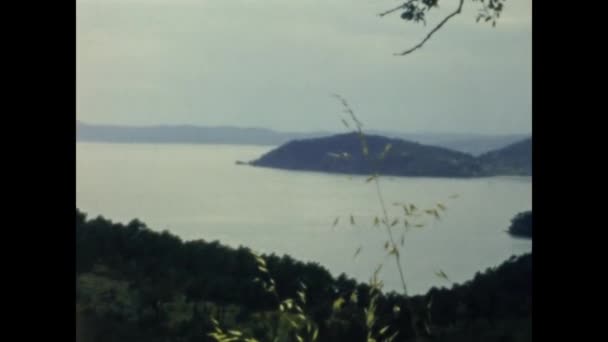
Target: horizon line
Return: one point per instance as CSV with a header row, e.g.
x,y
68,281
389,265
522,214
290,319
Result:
x,y
372,130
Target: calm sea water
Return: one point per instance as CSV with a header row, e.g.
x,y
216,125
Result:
x,y
197,192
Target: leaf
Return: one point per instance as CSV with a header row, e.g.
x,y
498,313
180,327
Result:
x,y
357,252
216,336
454,196
352,220
315,334
392,337
376,221
433,212
259,259
345,123
402,240
353,297
302,296
395,221
263,269
370,318
235,333
396,309
441,207
337,305
412,208
419,225
383,330
292,323
336,221
371,178
442,274
387,148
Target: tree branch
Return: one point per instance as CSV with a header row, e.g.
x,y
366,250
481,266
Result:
x,y
394,9
428,36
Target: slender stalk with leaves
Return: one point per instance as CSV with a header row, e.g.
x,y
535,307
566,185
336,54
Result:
x,y
410,211
291,310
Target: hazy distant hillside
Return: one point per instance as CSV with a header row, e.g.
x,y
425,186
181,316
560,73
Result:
x,y
474,144
513,159
404,158
185,134
477,145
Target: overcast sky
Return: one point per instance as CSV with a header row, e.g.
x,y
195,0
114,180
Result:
x,y
273,64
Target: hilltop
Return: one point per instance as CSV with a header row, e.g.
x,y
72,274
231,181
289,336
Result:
x,y
343,153
513,159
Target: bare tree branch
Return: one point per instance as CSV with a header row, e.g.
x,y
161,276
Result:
x,y
394,9
428,36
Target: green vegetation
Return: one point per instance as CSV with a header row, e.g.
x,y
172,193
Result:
x,y
134,284
521,225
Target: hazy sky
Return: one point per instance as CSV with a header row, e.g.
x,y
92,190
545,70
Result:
x,y
273,63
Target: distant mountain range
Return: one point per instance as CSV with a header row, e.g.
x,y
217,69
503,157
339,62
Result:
x,y
474,144
185,134
345,153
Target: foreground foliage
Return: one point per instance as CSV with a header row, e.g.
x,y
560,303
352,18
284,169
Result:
x,y
134,284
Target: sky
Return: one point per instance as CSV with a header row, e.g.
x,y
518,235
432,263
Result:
x,y
274,64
